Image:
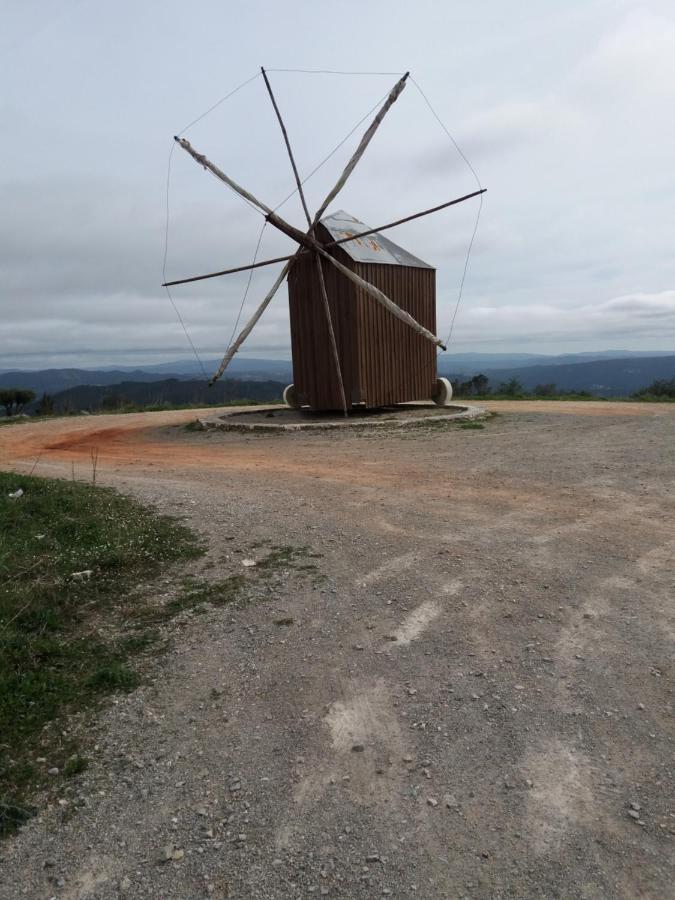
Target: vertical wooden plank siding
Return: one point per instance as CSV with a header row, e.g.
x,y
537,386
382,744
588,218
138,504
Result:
x,y
396,364
314,374
383,361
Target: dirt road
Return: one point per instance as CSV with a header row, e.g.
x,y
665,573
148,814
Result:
x,y
473,700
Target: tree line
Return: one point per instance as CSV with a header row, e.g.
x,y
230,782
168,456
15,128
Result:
x,y
15,400
479,386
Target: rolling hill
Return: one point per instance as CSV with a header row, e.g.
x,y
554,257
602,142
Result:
x,y
599,373
603,377
170,391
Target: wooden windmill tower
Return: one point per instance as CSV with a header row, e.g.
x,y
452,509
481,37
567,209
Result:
x,y
363,310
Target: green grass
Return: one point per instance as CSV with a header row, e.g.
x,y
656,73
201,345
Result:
x,y
193,594
54,656
583,395
652,398
67,641
13,420
287,557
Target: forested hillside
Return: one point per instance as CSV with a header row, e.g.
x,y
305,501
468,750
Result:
x,y
170,392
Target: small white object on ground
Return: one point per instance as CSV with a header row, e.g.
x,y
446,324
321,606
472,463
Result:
x,y
16,494
84,575
248,563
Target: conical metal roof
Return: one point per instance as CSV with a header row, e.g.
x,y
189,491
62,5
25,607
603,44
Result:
x,y
375,248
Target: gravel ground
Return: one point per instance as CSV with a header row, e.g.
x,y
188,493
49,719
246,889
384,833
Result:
x,y
471,697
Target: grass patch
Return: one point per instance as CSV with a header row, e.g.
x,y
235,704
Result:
x,y
14,420
114,676
287,557
582,395
78,599
471,426
68,553
196,593
652,398
194,425
75,765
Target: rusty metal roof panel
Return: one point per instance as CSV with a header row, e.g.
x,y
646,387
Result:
x,y
375,248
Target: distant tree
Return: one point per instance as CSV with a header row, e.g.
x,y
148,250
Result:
x,y
479,384
46,405
512,388
112,401
662,387
14,399
7,400
545,390
22,398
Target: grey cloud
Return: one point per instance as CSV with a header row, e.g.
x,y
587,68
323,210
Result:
x,y
560,112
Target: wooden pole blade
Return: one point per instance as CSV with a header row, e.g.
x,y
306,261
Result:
x,y
425,212
270,215
363,143
382,298
353,237
248,328
220,175
331,332
288,147
258,265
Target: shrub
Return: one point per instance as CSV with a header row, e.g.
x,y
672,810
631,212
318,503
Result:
x,y
662,388
14,399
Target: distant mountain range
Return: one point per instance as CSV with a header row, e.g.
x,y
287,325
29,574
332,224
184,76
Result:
x,y
609,373
602,377
482,362
169,391
52,381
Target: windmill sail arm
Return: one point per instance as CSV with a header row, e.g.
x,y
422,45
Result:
x,y
388,304
331,330
334,243
304,239
393,96
250,325
288,147
220,175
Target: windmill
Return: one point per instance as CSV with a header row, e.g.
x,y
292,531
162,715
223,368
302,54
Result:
x,y
352,343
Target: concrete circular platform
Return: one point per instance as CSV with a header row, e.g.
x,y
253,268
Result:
x,y
281,418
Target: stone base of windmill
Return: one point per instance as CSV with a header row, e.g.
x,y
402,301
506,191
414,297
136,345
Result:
x,y
294,417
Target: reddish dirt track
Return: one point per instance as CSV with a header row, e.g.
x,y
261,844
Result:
x,y
148,440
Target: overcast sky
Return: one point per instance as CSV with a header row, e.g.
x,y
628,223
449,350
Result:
x,y
565,110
